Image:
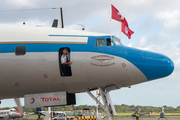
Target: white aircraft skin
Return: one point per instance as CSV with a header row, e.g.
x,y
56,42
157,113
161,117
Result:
x,y
12,113
110,67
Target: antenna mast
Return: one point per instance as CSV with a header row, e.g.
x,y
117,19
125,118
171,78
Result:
x,y
61,24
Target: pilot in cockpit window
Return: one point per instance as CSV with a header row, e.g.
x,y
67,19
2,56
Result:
x,y
66,64
109,42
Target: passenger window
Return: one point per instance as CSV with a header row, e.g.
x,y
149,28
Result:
x,y
109,42
65,62
20,50
100,42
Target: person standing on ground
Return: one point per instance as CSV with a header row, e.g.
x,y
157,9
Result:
x,y
137,115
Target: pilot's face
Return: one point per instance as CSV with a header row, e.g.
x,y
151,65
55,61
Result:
x,y
65,52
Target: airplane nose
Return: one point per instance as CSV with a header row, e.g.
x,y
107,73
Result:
x,y
157,65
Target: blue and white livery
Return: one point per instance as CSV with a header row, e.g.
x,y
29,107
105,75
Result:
x,y
30,62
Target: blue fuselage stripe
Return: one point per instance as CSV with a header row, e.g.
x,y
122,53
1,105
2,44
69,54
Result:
x,y
145,61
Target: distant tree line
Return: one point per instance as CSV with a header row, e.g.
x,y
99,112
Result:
x,y
119,108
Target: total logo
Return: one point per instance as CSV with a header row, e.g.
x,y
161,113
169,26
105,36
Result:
x,y
44,99
32,100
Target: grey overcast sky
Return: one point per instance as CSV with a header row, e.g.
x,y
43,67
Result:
x,y
156,26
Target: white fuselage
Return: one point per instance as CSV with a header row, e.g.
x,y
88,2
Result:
x,y
38,70
9,114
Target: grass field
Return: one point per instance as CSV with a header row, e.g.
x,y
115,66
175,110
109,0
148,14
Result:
x,y
35,116
154,115
167,114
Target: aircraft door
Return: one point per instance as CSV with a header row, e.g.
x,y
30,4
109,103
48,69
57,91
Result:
x,y
65,62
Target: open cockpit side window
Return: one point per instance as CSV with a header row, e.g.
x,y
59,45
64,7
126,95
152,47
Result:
x,y
109,42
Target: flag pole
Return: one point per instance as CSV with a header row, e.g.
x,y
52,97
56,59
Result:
x,y
110,19
120,31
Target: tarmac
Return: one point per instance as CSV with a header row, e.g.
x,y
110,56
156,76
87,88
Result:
x,y
168,118
145,118
142,119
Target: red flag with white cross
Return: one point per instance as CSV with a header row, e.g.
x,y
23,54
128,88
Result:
x,y
116,15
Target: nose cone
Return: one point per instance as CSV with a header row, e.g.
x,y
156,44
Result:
x,y
157,65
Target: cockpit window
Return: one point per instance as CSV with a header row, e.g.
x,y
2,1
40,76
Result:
x,y
117,41
109,42
100,42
